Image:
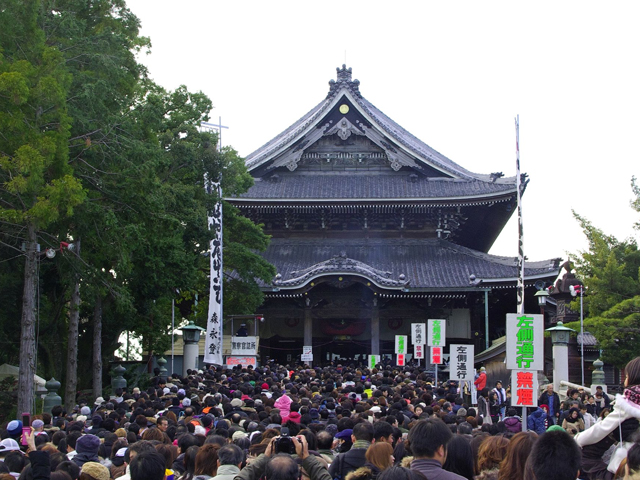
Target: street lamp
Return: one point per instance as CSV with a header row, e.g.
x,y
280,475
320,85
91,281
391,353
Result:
x,y
542,295
575,291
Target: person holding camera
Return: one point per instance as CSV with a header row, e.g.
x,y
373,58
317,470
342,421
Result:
x,y
276,463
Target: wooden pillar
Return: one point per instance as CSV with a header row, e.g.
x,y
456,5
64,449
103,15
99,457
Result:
x,y
375,328
308,325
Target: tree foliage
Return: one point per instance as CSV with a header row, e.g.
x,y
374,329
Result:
x,y
91,148
610,270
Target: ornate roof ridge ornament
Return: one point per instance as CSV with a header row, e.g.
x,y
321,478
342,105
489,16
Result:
x,y
344,81
344,265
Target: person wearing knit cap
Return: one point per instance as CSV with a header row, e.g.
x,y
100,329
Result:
x,y
38,427
87,450
95,470
14,429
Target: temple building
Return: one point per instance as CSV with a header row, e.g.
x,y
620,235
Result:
x,y
373,230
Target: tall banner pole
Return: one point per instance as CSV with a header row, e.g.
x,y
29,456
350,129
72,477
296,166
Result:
x,y
213,344
520,286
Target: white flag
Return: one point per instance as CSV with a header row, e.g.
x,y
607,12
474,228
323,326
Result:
x,y
213,343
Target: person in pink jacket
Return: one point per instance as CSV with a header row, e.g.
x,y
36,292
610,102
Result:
x,y
283,404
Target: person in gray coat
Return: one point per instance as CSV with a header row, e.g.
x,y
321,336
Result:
x,y
230,459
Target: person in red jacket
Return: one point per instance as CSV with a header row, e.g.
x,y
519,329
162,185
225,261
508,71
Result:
x,y
481,381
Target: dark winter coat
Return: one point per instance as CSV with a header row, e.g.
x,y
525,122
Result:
x,y
538,421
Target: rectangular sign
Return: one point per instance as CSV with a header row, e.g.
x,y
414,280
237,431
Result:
x,y
306,358
418,351
244,361
373,360
307,350
401,344
435,355
400,361
525,342
524,388
461,364
437,333
418,333
243,345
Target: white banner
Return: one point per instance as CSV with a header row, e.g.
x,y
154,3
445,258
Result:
x,y
461,362
525,342
373,361
213,342
418,333
524,388
436,333
244,346
401,344
418,351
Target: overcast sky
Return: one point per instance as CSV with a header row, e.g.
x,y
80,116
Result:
x,y
455,74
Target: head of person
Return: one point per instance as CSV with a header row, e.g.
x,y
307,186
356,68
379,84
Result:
x,y
380,454
148,465
491,452
363,431
429,439
383,432
459,457
230,454
400,473
282,467
94,471
632,371
498,384
550,388
555,456
207,460
632,468
518,452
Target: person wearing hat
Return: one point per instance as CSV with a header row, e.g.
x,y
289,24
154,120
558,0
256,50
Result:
x,y
38,427
481,381
86,450
355,458
14,429
95,471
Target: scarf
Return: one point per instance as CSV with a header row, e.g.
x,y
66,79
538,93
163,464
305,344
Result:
x,y
632,394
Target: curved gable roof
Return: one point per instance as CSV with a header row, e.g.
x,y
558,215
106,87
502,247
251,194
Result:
x,y
385,127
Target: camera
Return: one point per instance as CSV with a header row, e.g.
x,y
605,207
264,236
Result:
x,y
284,444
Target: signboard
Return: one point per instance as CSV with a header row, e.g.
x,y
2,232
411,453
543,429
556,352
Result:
x,y
243,345
373,360
525,342
401,344
400,361
307,353
436,333
461,364
244,361
435,355
418,333
418,351
524,388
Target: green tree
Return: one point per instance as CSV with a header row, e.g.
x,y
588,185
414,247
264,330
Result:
x,y
37,185
610,270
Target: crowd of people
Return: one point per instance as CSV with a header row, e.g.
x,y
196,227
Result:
x,y
327,423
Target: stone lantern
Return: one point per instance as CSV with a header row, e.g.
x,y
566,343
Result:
x,y
560,340
190,338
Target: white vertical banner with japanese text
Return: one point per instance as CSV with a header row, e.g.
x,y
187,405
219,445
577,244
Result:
x,y
524,388
213,341
437,333
373,360
401,344
418,333
525,341
461,362
418,351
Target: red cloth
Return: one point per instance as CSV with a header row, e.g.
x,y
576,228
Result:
x,y
481,381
